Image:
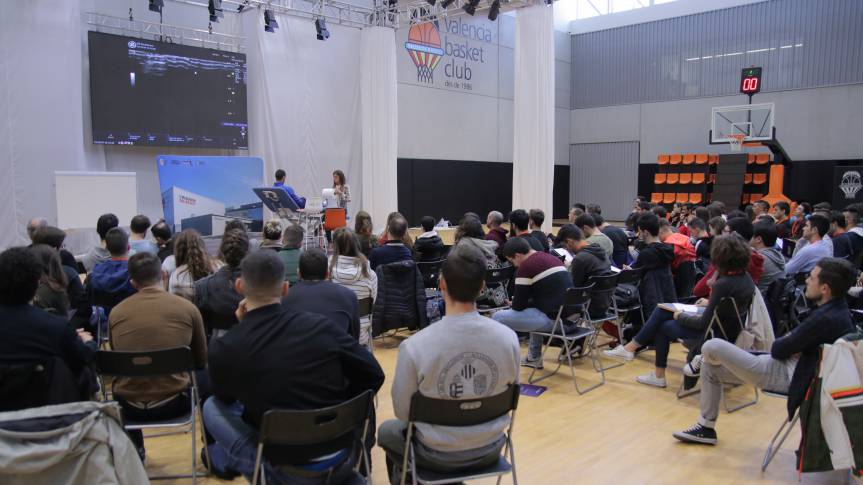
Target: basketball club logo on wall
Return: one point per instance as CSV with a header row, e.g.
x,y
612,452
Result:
x,y
851,184
424,47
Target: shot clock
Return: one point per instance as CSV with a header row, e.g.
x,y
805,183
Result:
x,y
750,81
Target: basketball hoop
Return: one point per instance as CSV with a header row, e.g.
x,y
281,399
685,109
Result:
x,y
736,142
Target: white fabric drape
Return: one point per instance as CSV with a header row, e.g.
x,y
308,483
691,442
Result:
x,y
533,143
303,102
379,122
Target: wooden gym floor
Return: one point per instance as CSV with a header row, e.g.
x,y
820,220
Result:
x,y
619,433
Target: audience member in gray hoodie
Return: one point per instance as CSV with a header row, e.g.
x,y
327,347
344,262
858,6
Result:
x,y
99,254
764,241
470,233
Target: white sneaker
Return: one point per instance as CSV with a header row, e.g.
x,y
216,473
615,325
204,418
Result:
x,y
652,380
693,369
619,353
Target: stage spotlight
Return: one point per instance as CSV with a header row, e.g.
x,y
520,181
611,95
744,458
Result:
x,y
215,9
156,5
321,27
494,10
446,3
470,7
270,24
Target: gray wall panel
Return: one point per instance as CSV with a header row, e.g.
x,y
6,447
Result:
x,y
590,166
800,44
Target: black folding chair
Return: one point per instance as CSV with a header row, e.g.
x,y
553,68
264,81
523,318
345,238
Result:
x,y
430,272
632,278
469,412
287,434
573,310
784,430
155,363
685,279
603,287
497,279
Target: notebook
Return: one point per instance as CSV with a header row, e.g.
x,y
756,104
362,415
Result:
x,y
680,307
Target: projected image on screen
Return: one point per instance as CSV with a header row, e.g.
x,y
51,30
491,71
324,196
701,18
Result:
x,y
150,93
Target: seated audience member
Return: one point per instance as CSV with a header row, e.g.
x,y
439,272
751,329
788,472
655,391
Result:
x,y
814,230
395,249
588,260
193,263
495,232
99,253
701,240
641,206
469,233
51,295
316,362
292,241
743,228
541,281
153,319
683,250
315,293
55,237
536,217
34,225
781,211
216,295
138,239
161,231
349,266
363,229
793,360
406,239
108,283
280,182
574,213
841,244
31,334
519,221
272,233
702,213
78,301
660,211
587,224
801,213
430,362
654,259
761,208
764,241
852,237
731,256
716,209
428,246
619,241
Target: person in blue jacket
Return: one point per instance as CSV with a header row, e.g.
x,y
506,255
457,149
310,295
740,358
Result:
x,y
280,182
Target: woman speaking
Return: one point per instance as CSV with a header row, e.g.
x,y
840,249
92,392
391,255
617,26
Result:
x,y
341,189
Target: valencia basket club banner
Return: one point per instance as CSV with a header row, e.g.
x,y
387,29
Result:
x,y
456,54
847,185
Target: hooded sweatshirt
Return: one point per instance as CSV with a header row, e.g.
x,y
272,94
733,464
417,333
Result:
x,y
683,250
348,273
109,283
488,248
588,261
428,247
96,255
774,267
654,256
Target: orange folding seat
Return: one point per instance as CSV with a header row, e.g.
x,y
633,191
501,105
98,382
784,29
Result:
x,y
762,158
695,198
698,178
750,158
669,198
682,198
662,159
688,158
673,178
759,178
701,159
675,159
747,178
659,178
713,158
686,178
656,197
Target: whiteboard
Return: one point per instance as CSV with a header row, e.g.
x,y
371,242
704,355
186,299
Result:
x,y
84,196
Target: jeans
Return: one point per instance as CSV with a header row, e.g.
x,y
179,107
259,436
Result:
x,y
527,320
660,330
725,362
236,447
178,406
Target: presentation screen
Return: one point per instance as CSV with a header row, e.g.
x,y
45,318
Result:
x,y
149,93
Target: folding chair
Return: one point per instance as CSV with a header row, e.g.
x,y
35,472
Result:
x,y
660,178
690,344
575,304
430,272
462,413
317,432
675,159
662,159
627,277
787,425
155,363
497,279
365,312
603,286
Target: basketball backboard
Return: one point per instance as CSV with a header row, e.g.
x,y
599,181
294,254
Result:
x,y
753,121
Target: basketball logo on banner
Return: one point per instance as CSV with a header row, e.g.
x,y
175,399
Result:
x,y
850,184
425,50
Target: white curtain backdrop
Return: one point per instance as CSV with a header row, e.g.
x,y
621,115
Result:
x,y
533,143
379,122
304,105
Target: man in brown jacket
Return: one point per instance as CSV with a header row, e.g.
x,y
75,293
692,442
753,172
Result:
x,y
153,319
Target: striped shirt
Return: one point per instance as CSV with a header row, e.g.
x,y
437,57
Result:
x,y
541,282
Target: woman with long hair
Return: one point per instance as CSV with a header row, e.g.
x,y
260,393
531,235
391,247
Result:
x,y
363,229
193,263
341,189
469,233
51,295
216,296
406,240
350,268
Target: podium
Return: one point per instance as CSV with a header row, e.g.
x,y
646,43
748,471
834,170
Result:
x,y
310,219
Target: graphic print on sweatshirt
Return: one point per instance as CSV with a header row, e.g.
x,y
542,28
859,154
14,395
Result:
x,y
468,375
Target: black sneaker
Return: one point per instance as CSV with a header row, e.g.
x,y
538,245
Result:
x,y
697,434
